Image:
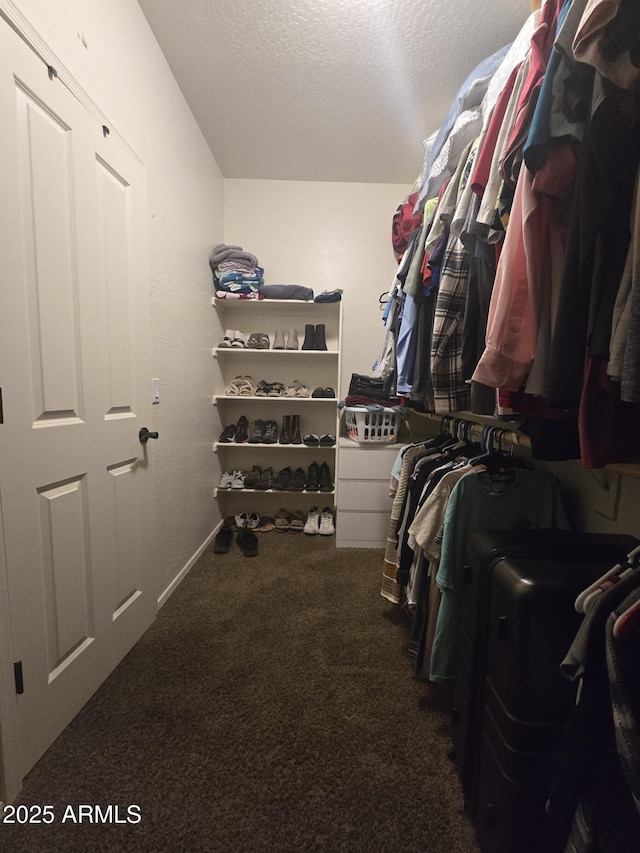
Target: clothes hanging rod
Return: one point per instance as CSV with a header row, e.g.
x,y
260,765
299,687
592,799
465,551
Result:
x,y
504,435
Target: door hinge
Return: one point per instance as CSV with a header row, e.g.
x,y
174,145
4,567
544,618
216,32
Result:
x,y
17,672
1,412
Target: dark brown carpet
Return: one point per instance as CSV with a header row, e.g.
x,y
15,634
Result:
x,y
271,707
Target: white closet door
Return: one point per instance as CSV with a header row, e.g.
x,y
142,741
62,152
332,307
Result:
x,y
76,485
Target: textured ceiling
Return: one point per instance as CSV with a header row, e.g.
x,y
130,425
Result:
x,y
325,90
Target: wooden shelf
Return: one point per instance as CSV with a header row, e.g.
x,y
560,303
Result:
x,y
626,469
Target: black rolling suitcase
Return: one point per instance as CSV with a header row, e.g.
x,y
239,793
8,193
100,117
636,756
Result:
x,y
510,699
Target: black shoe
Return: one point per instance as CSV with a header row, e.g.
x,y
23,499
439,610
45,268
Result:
x,y
313,478
309,337
258,433
252,477
319,340
296,438
228,434
326,483
329,393
317,393
247,542
327,440
285,432
265,480
270,433
281,480
242,430
223,540
297,481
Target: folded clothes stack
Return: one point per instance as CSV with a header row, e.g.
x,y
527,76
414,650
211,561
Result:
x,y
235,272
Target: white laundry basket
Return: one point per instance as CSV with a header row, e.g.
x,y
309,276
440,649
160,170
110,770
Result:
x,y
367,427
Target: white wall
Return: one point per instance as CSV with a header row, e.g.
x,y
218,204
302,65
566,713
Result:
x,y
110,50
323,235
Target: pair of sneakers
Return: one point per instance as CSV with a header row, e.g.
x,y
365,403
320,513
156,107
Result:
x,y
231,480
319,522
234,338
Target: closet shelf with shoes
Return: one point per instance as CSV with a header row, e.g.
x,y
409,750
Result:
x,y
285,456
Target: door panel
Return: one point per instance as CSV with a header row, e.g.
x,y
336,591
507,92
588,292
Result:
x,y
76,485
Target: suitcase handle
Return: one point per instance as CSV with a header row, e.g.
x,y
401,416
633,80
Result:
x,y
503,628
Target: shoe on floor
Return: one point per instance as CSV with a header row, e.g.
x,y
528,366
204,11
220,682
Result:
x,y
312,524
223,540
326,527
247,541
296,523
282,520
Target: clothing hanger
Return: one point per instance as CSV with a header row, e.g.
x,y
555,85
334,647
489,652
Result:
x,y
627,624
588,596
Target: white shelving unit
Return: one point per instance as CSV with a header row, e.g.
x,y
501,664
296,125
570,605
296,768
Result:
x,y
313,368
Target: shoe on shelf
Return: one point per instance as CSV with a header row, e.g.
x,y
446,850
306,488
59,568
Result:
x,y
228,434
319,338
239,340
326,483
309,337
262,388
311,439
292,339
292,389
263,340
281,480
329,393
257,433
327,526
227,340
303,392
242,386
294,432
285,432
317,393
327,440
312,524
226,479
242,430
265,480
270,433
313,478
278,339
276,389
297,481
252,477
223,540
238,480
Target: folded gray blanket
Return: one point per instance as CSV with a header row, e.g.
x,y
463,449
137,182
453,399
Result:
x,y
223,252
286,291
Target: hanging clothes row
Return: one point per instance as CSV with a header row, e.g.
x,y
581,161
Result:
x,y
448,487
518,290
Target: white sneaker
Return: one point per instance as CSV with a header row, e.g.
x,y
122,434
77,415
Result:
x,y
312,524
226,479
327,527
238,480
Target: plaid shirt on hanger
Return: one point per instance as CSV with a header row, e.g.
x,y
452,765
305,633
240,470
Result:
x,y
451,392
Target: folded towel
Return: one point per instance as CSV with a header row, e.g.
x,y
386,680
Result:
x,y
223,252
